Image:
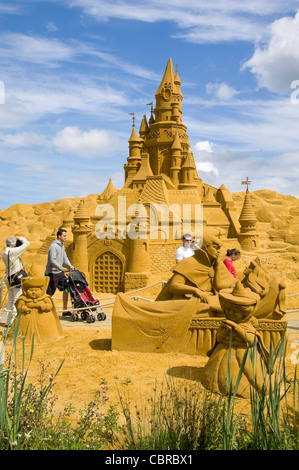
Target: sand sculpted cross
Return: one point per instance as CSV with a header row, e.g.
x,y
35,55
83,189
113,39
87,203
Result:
x,y
247,182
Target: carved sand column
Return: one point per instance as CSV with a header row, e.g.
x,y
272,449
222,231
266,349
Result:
x,y
81,230
139,262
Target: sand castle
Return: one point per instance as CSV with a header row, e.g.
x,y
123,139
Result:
x,y
160,172
111,239
129,240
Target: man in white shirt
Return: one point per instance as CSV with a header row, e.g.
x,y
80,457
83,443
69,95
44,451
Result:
x,y
184,251
13,264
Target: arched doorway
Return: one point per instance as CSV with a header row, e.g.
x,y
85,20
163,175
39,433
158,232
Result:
x,y
108,272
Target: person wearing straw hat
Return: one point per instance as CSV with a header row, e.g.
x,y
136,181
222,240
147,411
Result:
x,y
11,256
237,337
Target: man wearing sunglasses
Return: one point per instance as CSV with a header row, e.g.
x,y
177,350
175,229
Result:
x,y
184,251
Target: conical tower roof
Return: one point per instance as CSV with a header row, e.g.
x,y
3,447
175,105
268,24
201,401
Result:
x,y
134,137
143,126
171,79
109,190
177,79
189,161
81,212
176,145
144,170
247,214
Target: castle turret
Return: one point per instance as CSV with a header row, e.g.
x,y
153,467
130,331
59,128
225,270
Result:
x,y
143,130
187,173
167,95
107,193
139,180
248,235
165,137
134,159
81,230
176,158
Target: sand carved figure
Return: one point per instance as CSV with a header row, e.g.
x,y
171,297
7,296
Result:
x,y
237,336
162,325
38,313
271,290
202,276
192,292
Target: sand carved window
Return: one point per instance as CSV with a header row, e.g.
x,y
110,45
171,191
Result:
x,y
108,271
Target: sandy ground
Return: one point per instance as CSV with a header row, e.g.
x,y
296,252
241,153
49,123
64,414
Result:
x,y
89,362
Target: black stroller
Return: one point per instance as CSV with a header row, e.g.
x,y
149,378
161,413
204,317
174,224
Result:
x,y
82,298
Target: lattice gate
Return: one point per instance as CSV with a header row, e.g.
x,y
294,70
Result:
x,y
108,271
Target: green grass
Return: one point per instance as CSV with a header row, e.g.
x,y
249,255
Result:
x,y
27,412
175,417
189,418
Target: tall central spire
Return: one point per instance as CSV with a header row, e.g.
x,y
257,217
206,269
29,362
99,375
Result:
x,y
169,97
164,138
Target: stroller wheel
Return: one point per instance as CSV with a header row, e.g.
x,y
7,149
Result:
x,y
101,316
74,317
92,318
84,315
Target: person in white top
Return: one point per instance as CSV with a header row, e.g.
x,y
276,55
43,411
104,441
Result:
x,y
13,264
186,250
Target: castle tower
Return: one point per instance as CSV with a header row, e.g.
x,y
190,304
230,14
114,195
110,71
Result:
x,y
81,230
165,128
248,235
69,220
134,159
139,264
107,193
168,94
139,180
176,158
161,175
143,127
187,173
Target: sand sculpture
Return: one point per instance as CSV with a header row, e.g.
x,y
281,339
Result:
x,y
160,170
39,318
186,314
237,336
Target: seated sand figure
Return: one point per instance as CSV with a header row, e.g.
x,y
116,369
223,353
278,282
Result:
x,y
271,290
162,326
238,329
203,275
38,313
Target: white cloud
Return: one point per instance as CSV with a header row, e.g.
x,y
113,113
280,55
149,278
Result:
x,y
255,125
35,49
94,142
199,21
51,27
203,145
23,139
277,64
221,90
264,172
207,167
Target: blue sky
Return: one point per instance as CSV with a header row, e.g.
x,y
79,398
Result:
x,y
71,71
